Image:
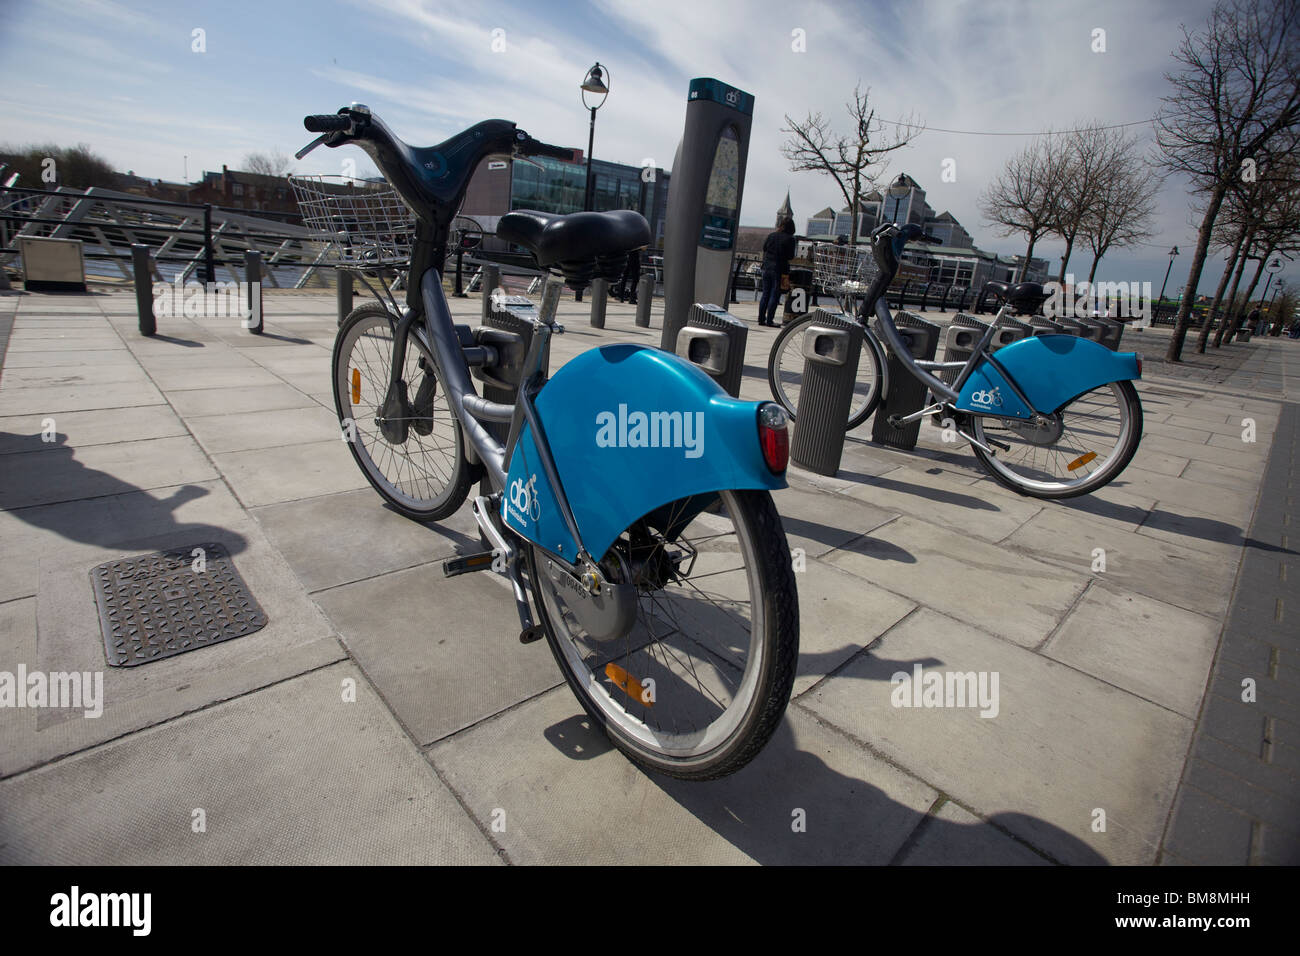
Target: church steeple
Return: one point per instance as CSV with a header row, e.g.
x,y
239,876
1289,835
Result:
x,y
785,212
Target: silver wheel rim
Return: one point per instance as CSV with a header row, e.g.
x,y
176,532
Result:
x,y
638,650
418,472
1084,432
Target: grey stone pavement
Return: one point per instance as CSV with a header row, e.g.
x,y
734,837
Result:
x,y
462,746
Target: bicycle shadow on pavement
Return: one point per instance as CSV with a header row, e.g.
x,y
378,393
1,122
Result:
x,y
112,519
845,820
1192,526
834,538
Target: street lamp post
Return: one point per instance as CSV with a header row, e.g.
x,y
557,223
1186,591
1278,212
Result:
x,y
1172,252
899,188
594,83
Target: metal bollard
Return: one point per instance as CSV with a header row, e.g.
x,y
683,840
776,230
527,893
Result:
x,y
832,348
253,278
906,394
343,291
599,301
142,267
491,281
960,338
645,294
714,340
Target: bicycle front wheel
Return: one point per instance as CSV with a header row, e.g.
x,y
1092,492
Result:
x,y
785,372
421,470
696,680
1084,445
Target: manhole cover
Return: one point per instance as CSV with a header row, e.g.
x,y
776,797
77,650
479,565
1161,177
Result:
x,y
169,602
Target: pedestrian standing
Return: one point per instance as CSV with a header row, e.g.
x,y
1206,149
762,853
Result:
x,y
778,250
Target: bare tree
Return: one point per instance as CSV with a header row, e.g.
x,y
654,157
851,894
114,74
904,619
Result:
x,y
1125,207
853,161
269,164
1026,198
1089,156
1235,103
1273,215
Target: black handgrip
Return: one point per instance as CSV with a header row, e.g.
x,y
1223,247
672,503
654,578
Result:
x,y
535,148
326,122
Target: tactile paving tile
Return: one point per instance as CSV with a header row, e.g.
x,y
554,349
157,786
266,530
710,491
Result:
x,y
157,605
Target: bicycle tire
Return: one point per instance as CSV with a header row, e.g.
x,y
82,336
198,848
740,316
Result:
x,y
772,587
1116,460
431,500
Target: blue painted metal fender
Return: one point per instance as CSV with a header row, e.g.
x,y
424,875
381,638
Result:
x,y
630,428
1050,370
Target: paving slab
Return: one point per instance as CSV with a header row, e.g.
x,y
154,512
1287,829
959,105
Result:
x,y
444,652
1061,746
265,769
1157,651
66,473
341,538
965,578
297,638
229,401
818,523
266,475
23,433
51,399
97,527
1184,577
938,498
273,428
952,836
567,797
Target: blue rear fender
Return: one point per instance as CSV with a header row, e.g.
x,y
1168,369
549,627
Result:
x,y
1050,370
631,429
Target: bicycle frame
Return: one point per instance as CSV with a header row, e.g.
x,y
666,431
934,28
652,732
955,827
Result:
x,y
1044,382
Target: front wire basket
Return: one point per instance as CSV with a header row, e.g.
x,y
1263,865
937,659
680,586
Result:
x,y
365,224
843,271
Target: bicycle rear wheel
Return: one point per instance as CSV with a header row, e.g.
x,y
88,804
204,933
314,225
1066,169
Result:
x,y
422,472
1086,443
785,372
698,681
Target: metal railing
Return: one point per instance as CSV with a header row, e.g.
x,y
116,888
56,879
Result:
x,y
188,240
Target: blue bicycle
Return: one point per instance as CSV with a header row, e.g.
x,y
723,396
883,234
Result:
x,y
630,494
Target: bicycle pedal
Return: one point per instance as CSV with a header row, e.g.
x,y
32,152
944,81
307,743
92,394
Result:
x,y
997,444
532,634
468,563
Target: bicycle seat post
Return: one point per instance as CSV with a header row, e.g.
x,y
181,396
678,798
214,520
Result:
x,y
551,299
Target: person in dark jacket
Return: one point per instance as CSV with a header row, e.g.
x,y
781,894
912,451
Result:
x,y
625,291
778,250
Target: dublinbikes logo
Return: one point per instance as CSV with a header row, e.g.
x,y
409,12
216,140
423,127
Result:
x,y
523,500
987,398
626,429
1085,300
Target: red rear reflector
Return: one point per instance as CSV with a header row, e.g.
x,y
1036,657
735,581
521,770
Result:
x,y
774,436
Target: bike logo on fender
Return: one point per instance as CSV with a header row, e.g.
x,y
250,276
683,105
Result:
x,y
987,398
523,500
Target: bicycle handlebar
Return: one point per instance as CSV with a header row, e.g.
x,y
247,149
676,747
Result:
x,y
532,147
327,122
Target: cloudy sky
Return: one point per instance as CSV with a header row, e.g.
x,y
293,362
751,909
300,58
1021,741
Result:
x,y
122,76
